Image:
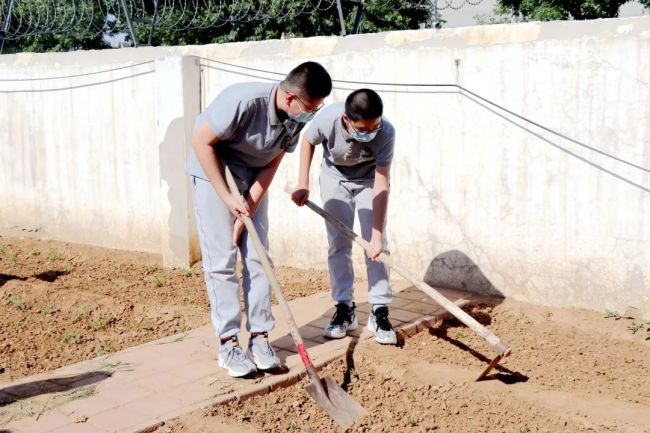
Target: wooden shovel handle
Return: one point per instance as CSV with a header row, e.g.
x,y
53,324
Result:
x,y
275,285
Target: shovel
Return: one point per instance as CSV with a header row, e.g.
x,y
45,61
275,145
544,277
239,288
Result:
x,y
338,404
499,346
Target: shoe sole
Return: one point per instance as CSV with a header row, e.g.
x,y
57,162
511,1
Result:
x,y
232,373
352,327
261,366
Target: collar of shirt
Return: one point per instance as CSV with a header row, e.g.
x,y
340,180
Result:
x,y
344,132
274,120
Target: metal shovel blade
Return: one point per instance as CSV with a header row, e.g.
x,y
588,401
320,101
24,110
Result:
x,y
338,404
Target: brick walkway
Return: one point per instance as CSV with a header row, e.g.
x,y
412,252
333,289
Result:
x,y
143,386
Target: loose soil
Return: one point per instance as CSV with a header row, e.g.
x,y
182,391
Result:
x,y
571,370
62,303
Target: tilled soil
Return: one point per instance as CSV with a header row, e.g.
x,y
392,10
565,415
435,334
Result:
x,y
62,303
571,370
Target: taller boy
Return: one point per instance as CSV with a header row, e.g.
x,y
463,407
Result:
x,y
249,127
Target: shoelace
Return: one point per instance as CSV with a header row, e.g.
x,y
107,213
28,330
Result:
x,y
342,315
381,318
265,345
235,351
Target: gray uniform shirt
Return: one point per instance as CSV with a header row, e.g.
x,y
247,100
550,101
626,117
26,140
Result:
x,y
344,156
250,132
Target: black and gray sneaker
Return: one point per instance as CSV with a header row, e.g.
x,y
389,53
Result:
x,y
233,358
344,320
381,327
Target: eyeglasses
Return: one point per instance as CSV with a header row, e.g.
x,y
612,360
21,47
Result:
x,y
313,110
372,131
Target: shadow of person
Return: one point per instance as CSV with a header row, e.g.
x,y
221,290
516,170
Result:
x,y
27,390
453,269
50,276
5,278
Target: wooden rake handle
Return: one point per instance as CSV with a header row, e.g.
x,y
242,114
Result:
x,y
499,346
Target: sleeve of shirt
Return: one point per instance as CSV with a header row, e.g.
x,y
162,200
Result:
x,y
226,114
314,134
385,155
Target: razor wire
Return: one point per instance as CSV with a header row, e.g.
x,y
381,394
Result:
x,y
31,18
95,17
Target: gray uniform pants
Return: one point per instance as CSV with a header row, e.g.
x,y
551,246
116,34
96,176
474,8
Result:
x,y
340,197
215,225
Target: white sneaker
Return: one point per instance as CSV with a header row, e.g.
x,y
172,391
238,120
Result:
x,y
234,360
381,327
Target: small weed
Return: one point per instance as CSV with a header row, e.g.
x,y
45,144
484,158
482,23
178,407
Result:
x,y
412,421
292,426
80,314
3,248
150,268
188,273
189,300
109,366
79,394
70,338
101,322
353,372
157,281
612,314
54,255
16,302
459,335
524,430
410,396
634,327
105,347
47,311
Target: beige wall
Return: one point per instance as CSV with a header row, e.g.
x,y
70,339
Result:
x,y
480,199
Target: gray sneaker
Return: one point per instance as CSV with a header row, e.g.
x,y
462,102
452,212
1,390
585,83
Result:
x,y
262,353
233,359
344,320
379,325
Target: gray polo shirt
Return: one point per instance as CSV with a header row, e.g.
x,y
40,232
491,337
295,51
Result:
x,y
342,155
250,132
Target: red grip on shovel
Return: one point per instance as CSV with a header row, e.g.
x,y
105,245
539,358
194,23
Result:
x,y
302,351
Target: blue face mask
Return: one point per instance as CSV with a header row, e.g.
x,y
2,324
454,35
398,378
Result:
x,y
363,137
302,117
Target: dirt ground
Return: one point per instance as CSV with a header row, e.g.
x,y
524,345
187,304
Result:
x,y
571,370
63,303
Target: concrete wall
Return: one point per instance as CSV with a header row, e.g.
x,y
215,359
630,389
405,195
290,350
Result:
x,y
480,199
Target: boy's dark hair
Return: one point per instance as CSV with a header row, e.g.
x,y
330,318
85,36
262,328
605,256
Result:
x,y
308,80
363,104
